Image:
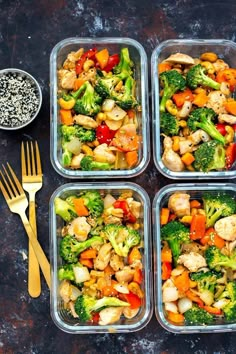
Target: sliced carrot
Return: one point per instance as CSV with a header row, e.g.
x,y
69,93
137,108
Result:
x,y
131,158
200,99
134,255
88,254
166,255
164,67
102,57
194,297
182,282
166,269
211,238
213,310
138,276
180,97
78,83
109,290
198,226
195,204
230,107
175,317
131,113
80,208
187,158
86,262
66,116
227,75
165,213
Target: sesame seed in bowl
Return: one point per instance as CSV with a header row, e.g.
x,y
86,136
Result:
x,y
20,99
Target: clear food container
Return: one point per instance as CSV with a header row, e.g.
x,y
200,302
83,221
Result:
x,y
139,58
59,315
195,190
225,50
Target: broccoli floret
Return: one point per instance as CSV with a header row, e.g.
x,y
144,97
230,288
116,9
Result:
x,y
121,237
88,164
105,85
215,259
169,124
176,234
66,271
198,316
126,99
206,282
202,118
64,209
85,134
85,305
125,64
216,206
94,202
68,132
171,81
88,102
196,77
230,294
209,156
66,156
70,248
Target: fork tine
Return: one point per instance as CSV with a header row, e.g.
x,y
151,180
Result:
x,y
16,179
38,161
32,158
15,191
23,165
28,159
4,191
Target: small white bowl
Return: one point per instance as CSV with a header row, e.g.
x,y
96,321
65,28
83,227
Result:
x,y
23,113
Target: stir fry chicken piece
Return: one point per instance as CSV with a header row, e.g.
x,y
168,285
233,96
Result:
x,y
89,75
130,313
198,136
103,257
103,153
227,118
116,262
86,121
134,206
170,158
216,100
76,159
111,219
72,58
79,228
220,64
179,204
110,315
226,228
193,261
190,144
66,79
125,275
180,58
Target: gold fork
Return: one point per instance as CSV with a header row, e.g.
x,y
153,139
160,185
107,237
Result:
x,y
32,182
17,202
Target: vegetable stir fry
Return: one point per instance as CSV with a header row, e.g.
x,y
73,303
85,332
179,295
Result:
x,y
98,110
101,276
197,113
198,258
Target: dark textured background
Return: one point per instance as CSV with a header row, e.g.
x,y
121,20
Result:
x,y
28,32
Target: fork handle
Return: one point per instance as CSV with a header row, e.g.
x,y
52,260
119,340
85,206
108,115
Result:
x,y
34,283
42,259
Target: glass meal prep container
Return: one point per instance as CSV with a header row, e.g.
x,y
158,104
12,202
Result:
x,y
60,316
195,190
225,50
139,59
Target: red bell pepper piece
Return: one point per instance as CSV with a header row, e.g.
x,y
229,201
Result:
x,y
138,276
134,301
87,55
128,215
112,62
166,269
104,134
221,128
230,155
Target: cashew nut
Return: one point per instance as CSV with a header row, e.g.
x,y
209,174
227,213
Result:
x,y
171,107
224,88
66,104
185,110
88,64
209,56
229,137
209,67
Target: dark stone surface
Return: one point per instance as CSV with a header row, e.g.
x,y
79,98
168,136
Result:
x,y
28,31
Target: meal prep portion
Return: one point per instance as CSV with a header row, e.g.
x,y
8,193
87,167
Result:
x,y
197,113
101,276
198,258
97,108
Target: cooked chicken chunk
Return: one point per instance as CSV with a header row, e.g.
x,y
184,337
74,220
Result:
x,y
227,118
116,262
198,136
103,257
86,121
216,100
66,79
110,315
193,261
170,158
180,58
125,275
179,204
226,228
220,64
72,58
79,228
103,153
76,159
